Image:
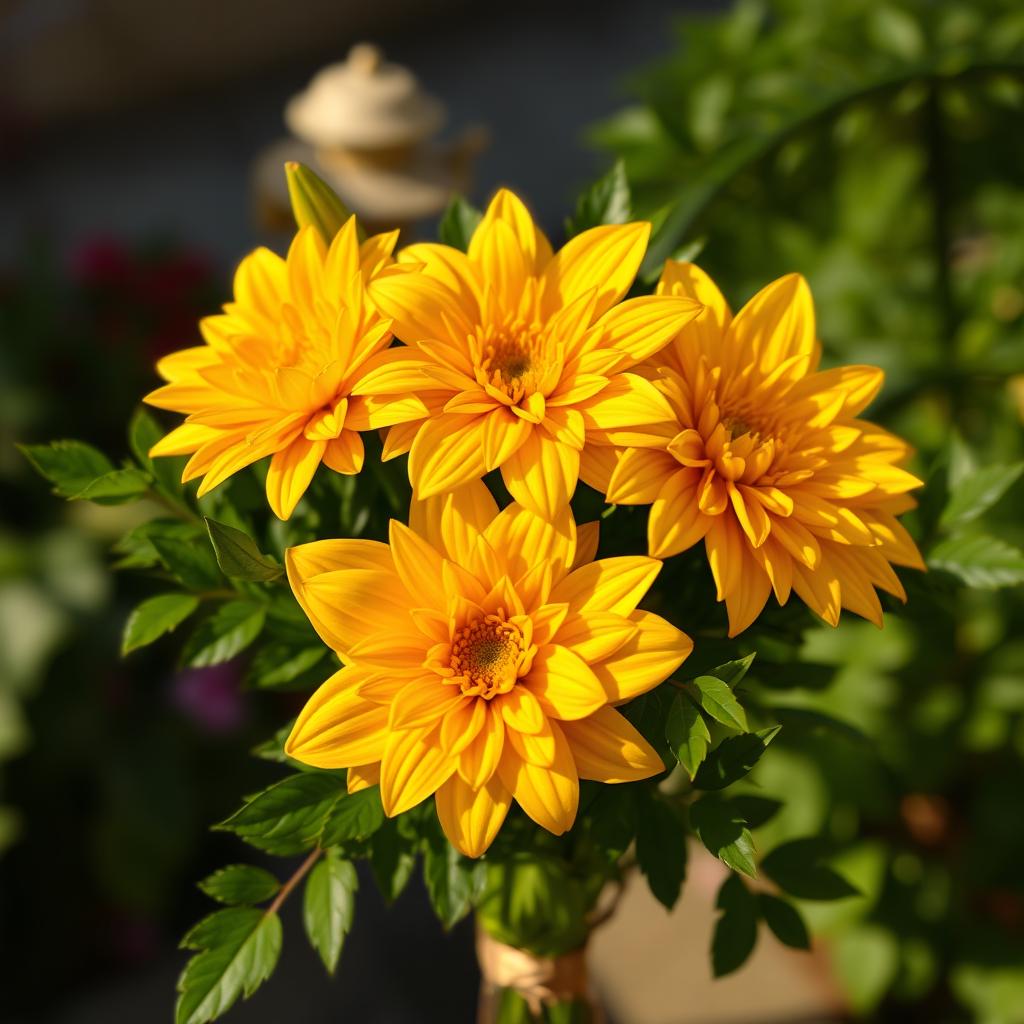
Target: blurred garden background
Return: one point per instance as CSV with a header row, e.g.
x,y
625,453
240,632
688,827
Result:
x,y
876,147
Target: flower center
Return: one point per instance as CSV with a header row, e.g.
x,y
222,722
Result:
x,y
487,655
511,360
737,426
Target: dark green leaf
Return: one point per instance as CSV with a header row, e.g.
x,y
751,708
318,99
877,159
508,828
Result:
x,y
784,920
238,556
736,930
607,201
238,950
391,860
154,617
799,868
224,634
143,433
715,697
724,833
980,561
612,818
355,816
733,758
192,564
453,881
69,465
240,883
136,546
288,817
648,713
275,665
754,810
458,223
328,905
115,487
687,734
661,849
978,492
812,720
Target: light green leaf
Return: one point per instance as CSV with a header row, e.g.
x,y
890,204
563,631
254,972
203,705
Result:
x,y
277,665
980,561
355,816
224,634
69,465
143,433
724,833
458,223
328,904
115,488
731,672
190,563
238,950
238,556
155,617
978,492
868,960
240,884
715,697
314,202
687,734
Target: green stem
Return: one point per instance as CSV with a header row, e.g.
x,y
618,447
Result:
x,y
300,872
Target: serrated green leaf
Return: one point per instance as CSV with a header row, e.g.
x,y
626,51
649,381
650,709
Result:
x,y
288,817
355,816
799,868
607,201
784,920
281,665
224,634
687,734
715,697
980,561
69,465
736,930
314,203
115,488
453,882
238,556
720,828
155,617
732,672
661,849
458,223
143,433
240,884
733,758
191,564
978,492
328,904
238,950
136,546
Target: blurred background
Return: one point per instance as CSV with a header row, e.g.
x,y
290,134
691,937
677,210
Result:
x,y
878,148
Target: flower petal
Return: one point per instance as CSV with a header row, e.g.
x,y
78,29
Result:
x,y
290,473
550,796
606,748
471,817
452,522
542,474
413,766
609,585
564,683
645,660
448,451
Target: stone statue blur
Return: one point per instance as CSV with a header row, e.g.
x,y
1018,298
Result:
x,y
368,128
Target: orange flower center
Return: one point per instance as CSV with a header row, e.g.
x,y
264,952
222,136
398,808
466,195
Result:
x,y
488,655
512,359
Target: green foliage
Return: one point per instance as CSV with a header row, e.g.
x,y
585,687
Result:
x,y
314,202
661,849
723,830
458,223
240,884
237,951
155,617
733,758
191,564
453,882
687,734
225,634
238,556
607,201
980,560
799,868
714,696
735,932
328,904
784,920
354,816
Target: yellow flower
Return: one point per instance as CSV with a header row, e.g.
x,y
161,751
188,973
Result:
x,y
483,654
519,354
277,372
766,461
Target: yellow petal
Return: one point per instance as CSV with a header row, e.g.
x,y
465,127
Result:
x,y
307,560
418,564
448,451
363,776
471,817
609,585
542,474
648,658
689,280
338,728
564,683
606,748
423,702
290,473
525,539
628,401
776,324
521,710
452,522
640,327
344,454
412,767
595,635
639,475
676,521
508,208
420,307
479,760
550,796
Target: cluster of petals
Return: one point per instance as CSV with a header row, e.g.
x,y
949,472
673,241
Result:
x,y
484,654
280,367
766,460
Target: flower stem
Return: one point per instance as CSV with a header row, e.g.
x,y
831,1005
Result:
x,y
300,872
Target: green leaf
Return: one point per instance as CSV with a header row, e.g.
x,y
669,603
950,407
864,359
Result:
x,y
754,810
733,758
799,868
288,817
355,816
136,546
813,720
980,561
238,948
715,697
69,465
275,665
732,672
238,556
867,957
724,833
190,563
224,634
979,492
784,920
314,202
458,223
513,1008
736,930
607,201
661,849
687,734
453,882
154,617
240,883
328,904
391,860
115,488
143,433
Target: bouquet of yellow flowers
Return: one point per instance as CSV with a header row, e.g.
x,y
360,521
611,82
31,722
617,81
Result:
x,y
490,467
